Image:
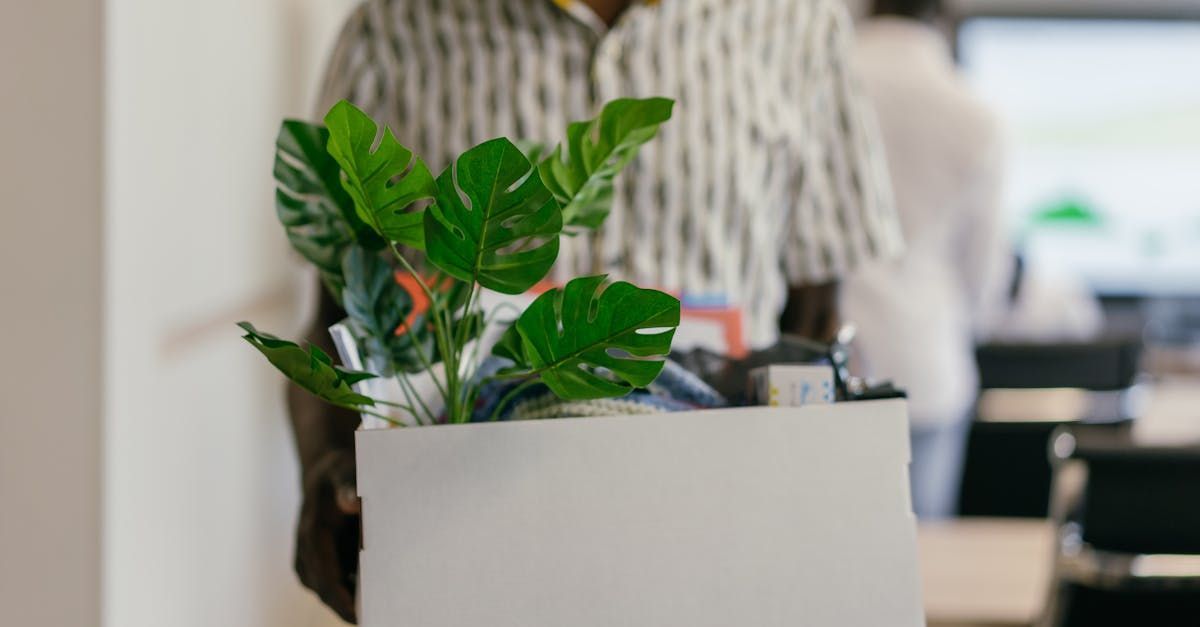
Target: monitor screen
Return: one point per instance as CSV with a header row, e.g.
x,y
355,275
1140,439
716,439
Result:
x,y
1102,119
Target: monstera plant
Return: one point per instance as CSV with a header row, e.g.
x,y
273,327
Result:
x,y
366,211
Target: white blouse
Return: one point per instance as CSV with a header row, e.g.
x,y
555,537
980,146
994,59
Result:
x,y
919,314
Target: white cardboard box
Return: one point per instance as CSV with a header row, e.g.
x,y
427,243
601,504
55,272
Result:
x,y
754,517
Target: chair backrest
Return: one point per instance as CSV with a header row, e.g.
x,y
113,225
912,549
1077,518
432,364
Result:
x,y
1129,521
1142,501
1107,364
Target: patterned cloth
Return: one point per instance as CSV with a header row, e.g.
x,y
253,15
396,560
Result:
x,y
768,175
676,389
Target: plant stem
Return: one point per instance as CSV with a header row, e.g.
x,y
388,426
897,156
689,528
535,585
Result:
x,y
507,398
461,333
473,359
516,375
469,402
391,404
407,385
503,306
427,364
362,410
462,336
442,330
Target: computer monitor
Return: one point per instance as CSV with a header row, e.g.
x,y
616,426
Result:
x,y
1102,120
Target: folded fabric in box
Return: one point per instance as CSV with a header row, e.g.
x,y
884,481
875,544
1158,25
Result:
x,y
676,389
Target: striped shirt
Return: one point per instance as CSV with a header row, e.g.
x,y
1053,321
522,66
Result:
x,y
768,176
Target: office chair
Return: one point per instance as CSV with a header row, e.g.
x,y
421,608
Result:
x,y
1128,522
1006,472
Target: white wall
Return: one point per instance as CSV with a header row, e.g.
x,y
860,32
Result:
x,y
50,328
201,483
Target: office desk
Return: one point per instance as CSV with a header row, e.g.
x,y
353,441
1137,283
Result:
x,y
984,571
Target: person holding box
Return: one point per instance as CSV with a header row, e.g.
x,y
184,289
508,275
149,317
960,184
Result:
x,y
765,188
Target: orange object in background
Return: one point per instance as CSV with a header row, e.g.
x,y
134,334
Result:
x,y
421,302
419,299
730,321
725,320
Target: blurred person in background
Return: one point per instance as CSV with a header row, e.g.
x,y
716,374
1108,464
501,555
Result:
x,y
919,316
765,188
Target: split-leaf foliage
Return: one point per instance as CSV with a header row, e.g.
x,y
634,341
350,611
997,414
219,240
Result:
x,y
364,210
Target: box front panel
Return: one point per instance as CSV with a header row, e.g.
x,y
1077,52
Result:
x,y
765,517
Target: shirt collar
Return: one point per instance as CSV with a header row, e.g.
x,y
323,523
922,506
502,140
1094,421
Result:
x,y
583,12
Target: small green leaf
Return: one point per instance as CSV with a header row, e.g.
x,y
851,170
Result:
x,y
493,222
597,150
450,294
354,376
384,182
469,324
315,211
591,340
376,306
509,347
312,370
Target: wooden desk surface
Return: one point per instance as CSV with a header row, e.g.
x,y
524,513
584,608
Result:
x,y
985,571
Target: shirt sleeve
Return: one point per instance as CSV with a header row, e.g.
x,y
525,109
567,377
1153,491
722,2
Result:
x,y
843,212
353,71
984,247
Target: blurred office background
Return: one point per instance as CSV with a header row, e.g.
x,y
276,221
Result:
x,y
1083,445
146,467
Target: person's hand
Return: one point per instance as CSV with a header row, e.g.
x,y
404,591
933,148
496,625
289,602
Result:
x,y
328,533
812,312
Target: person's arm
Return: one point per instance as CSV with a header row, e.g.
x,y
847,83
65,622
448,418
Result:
x,y
320,428
812,311
327,531
844,214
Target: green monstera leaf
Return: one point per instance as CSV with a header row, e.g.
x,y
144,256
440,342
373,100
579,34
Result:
x,y
493,221
316,212
384,182
591,339
311,369
596,151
